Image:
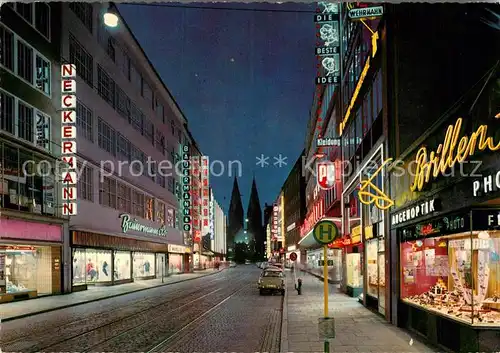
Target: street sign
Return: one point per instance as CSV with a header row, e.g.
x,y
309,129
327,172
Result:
x,y
325,232
362,13
293,256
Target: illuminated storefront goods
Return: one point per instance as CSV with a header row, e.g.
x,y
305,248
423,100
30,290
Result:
x,y
68,139
451,151
366,197
186,189
133,224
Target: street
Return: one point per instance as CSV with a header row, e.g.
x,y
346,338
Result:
x,y
223,312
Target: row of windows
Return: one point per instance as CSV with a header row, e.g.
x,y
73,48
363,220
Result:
x,y
364,118
354,71
121,197
36,14
24,121
84,12
23,60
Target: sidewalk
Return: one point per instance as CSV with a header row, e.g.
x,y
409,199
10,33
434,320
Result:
x,y
20,309
357,329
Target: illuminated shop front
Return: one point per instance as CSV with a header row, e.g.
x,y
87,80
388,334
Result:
x,y
178,258
30,259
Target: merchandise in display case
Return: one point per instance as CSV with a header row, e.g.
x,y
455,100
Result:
x,y
353,267
457,276
91,266
122,265
144,264
372,267
174,263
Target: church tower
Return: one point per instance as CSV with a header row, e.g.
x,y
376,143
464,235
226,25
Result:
x,y
235,215
254,216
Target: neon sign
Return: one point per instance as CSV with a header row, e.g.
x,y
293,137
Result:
x,y
381,200
451,151
186,189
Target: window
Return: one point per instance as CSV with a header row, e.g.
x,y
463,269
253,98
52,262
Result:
x,y
85,121
160,180
84,12
170,217
42,18
82,59
106,137
111,48
135,78
377,95
86,183
25,10
7,48
42,67
160,212
138,203
7,113
122,103
160,141
123,147
359,136
137,155
172,126
24,61
369,109
123,196
147,93
136,117
125,65
149,209
25,122
148,130
107,192
160,111
170,183
105,86
179,135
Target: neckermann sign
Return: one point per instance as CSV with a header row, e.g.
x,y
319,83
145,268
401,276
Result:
x,y
419,210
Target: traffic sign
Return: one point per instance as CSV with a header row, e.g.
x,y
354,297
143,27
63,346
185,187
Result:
x,y
293,256
325,232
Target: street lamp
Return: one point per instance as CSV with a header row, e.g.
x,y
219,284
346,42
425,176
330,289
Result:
x,y
110,18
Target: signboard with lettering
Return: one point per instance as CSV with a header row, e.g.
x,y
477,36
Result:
x,y
487,184
205,196
366,13
421,209
212,215
327,49
68,139
132,224
186,189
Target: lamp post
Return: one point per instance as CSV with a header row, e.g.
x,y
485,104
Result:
x,y
110,17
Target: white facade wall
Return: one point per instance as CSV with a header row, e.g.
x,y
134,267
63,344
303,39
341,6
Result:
x,y
92,216
220,229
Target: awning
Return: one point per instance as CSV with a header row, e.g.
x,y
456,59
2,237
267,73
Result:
x,y
308,240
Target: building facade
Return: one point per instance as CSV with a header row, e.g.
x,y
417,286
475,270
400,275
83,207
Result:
x,y
34,257
129,131
444,223
219,244
294,209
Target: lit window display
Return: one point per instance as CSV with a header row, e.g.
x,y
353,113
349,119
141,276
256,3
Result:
x,y
27,268
144,264
122,265
91,266
353,267
161,265
174,263
372,268
456,276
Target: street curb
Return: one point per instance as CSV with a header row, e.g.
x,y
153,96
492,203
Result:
x,y
321,277
11,318
284,323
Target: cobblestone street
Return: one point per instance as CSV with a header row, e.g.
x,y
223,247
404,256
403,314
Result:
x,y
357,328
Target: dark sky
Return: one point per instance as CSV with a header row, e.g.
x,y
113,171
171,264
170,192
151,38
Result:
x,y
244,80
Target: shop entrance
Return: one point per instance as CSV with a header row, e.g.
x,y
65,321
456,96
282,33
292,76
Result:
x,y
161,265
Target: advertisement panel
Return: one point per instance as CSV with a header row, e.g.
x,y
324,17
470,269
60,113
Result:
x,y
205,196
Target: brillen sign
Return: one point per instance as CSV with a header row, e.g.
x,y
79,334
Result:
x,y
68,139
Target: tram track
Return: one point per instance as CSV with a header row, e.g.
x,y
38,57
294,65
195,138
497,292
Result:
x,y
31,341
125,329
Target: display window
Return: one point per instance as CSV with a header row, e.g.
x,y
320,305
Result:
x,y
174,263
122,265
161,265
372,268
26,268
457,276
353,266
91,266
144,264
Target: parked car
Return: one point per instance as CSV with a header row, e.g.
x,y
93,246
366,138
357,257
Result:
x,y
271,281
247,262
232,264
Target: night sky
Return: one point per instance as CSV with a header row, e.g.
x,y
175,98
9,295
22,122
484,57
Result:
x,y
244,80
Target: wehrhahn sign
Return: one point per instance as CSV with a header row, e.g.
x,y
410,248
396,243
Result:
x,y
129,224
366,12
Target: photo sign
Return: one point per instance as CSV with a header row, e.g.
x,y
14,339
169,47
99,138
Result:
x,y
327,49
68,139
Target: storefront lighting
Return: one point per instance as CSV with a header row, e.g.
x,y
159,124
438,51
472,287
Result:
x,y
483,235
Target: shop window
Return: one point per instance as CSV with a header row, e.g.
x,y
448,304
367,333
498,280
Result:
x,y
455,276
175,263
122,269
27,268
160,212
124,198
138,204
143,265
91,266
170,217
86,182
149,208
107,192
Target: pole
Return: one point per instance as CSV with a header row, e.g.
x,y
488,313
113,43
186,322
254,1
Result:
x,y
162,266
326,347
